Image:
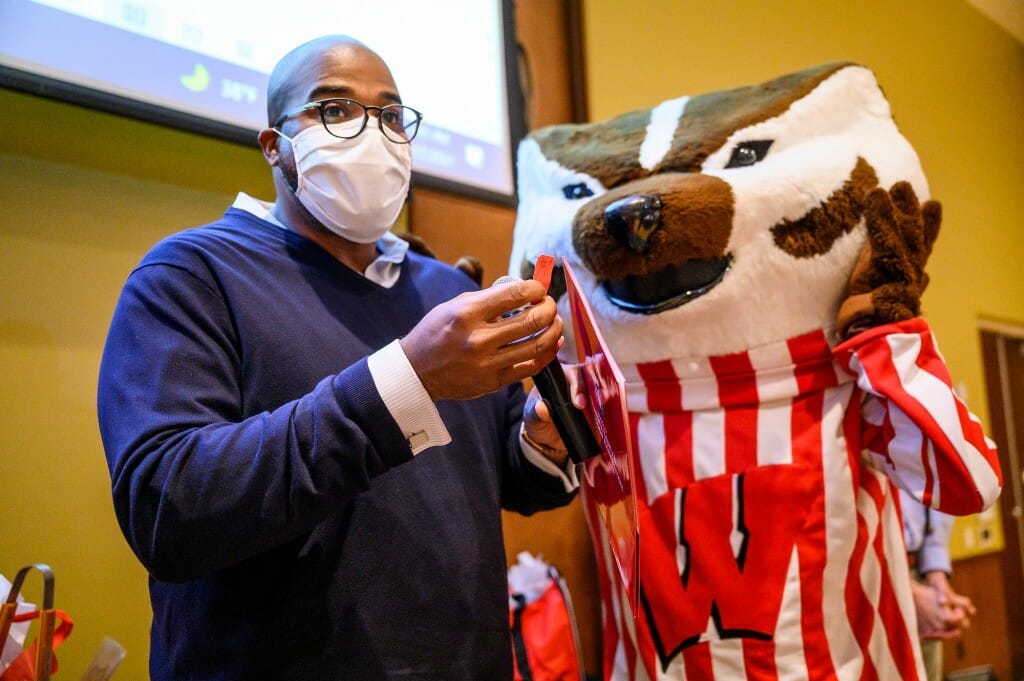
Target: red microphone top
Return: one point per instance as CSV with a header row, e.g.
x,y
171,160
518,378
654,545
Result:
x,y
542,270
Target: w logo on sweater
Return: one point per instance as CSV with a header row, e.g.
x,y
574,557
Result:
x,y
714,556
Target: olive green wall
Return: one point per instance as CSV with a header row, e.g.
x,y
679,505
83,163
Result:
x,y
83,194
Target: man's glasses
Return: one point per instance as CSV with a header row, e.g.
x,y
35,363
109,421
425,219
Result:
x,y
398,123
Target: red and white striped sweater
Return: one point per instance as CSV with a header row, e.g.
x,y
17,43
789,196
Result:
x,y
770,540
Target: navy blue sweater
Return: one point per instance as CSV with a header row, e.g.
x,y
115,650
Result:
x,y
288,531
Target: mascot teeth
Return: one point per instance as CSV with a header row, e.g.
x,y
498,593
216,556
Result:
x,y
667,288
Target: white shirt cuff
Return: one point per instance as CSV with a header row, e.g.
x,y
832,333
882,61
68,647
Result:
x,y
406,398
568,475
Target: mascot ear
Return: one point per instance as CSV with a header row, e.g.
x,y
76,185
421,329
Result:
x,y
889,278
418,245
472,267
467,264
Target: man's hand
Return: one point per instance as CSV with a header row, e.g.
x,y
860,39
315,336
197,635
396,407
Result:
x,y
537,424
889,278
464,348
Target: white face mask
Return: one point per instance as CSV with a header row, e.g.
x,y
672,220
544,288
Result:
x,y
355,187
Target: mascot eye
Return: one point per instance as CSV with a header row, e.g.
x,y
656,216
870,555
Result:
x,y
748,153
577,191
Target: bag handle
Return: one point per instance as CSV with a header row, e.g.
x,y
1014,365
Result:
x,y
518,643
46,639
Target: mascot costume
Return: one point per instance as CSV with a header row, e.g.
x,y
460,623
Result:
x,y
754,259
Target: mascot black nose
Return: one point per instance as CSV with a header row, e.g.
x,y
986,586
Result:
x,y
633,220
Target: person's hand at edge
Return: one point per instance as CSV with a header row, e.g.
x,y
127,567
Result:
x,y
957,608
931,619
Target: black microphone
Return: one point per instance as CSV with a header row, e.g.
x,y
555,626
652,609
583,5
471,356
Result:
x,y
570,422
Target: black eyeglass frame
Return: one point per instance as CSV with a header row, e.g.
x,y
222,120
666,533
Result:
x,y
319,105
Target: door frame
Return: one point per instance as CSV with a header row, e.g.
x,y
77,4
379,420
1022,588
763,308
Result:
x,y
998,339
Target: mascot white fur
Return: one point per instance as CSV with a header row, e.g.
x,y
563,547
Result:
x,y
754,259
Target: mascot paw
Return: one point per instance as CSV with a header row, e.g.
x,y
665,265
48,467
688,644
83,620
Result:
x,y
889,278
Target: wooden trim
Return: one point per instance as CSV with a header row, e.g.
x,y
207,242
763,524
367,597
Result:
x,y
577,63
1002,327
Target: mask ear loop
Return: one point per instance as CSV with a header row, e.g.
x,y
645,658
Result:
x,y
298,171
281,134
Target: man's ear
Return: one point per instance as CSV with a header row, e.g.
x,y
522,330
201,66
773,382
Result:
x,y
269,139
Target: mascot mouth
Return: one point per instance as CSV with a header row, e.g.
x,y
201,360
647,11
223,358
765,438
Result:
x,y
667,288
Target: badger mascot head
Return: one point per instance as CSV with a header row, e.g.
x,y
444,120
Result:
x,y
719,222
754,259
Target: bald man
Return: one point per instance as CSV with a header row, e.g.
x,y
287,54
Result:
x,y
310,430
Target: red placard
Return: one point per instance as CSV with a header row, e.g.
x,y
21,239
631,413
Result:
x,y
608,478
